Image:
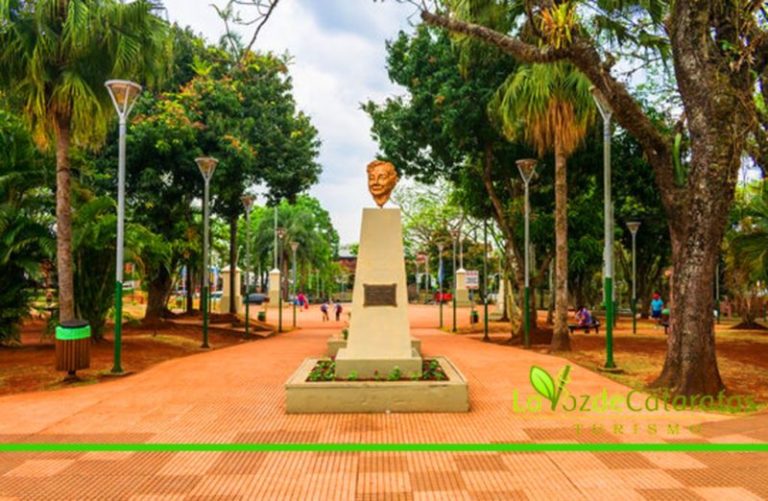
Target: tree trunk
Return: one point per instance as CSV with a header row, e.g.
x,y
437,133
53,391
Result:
x,y
560,339
64,221
232,264
157,294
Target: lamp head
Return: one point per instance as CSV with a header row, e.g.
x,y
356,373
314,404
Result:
x,y
124,94
527,168
602,104
280,233
206,165
294,246
248,200
633,226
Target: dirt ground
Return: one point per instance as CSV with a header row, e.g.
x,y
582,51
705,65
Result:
x,y
742,354
31,366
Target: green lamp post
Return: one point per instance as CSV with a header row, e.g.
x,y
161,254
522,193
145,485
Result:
x,y
633,227
527,168
206,165
440,247
605,112
124,94
455,236
248,205
294,248
279,235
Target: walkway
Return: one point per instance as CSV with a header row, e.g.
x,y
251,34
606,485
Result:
x,y
236,395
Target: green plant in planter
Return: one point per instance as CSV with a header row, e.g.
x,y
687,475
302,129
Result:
x,y
352,376
414,376
396,374
345,334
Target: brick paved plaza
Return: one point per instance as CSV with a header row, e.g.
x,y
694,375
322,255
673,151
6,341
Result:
x,y
235,395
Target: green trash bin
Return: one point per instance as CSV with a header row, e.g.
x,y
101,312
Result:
x,y
73,346
474,317
262,316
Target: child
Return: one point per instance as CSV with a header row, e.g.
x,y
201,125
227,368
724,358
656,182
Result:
x,y
324,309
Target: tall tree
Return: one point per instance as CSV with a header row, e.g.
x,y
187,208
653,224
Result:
x,y
551,108
56,56
719,52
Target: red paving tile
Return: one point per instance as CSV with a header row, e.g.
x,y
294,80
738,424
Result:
x,y
235,395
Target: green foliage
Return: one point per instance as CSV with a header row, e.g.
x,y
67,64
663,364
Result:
x,y
93,245
395,374
305,222
345,334
545,104
352,376
57,55
25,238
325,370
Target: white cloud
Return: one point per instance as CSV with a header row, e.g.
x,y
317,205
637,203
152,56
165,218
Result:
x,y
339,59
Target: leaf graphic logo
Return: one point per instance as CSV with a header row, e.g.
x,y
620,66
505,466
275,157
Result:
x,y
544,384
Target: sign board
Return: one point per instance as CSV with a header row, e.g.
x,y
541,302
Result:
x,y
473,279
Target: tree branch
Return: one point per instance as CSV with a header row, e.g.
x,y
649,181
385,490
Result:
x,y
585,57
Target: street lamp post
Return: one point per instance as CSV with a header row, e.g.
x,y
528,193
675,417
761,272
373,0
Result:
x,y
206,165
248,204
605,112
455,235
633,227
279,234
294,247
440,272
485,281
527,168
124,94
717,290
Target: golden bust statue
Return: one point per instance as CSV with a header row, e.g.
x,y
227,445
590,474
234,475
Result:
x,y
382,178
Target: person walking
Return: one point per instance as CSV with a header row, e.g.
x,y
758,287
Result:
x,y
337,309
324,310
657,305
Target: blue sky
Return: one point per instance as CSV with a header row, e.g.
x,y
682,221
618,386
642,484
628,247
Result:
x,y
338,50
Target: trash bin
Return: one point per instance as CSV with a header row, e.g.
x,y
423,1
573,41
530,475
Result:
x,y
262,316
474,317
73,346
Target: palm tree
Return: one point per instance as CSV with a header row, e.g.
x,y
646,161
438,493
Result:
x,y
56,56
746,251
550,107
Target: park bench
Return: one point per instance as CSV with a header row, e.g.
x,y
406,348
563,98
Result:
x,y
594,325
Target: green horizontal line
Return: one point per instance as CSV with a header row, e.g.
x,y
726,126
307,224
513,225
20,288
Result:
x,y
413,447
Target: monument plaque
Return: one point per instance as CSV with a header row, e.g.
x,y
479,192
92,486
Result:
x,y
380,295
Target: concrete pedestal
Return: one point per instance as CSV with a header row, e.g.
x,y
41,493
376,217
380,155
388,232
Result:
x,y
227,292
379,337
462,293
274,288
500,298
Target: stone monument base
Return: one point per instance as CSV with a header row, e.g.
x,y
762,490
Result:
x,y
302,397
372,367
462,298
335,343
224,304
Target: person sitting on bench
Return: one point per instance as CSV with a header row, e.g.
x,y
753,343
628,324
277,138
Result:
x,y
585,321
583,316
